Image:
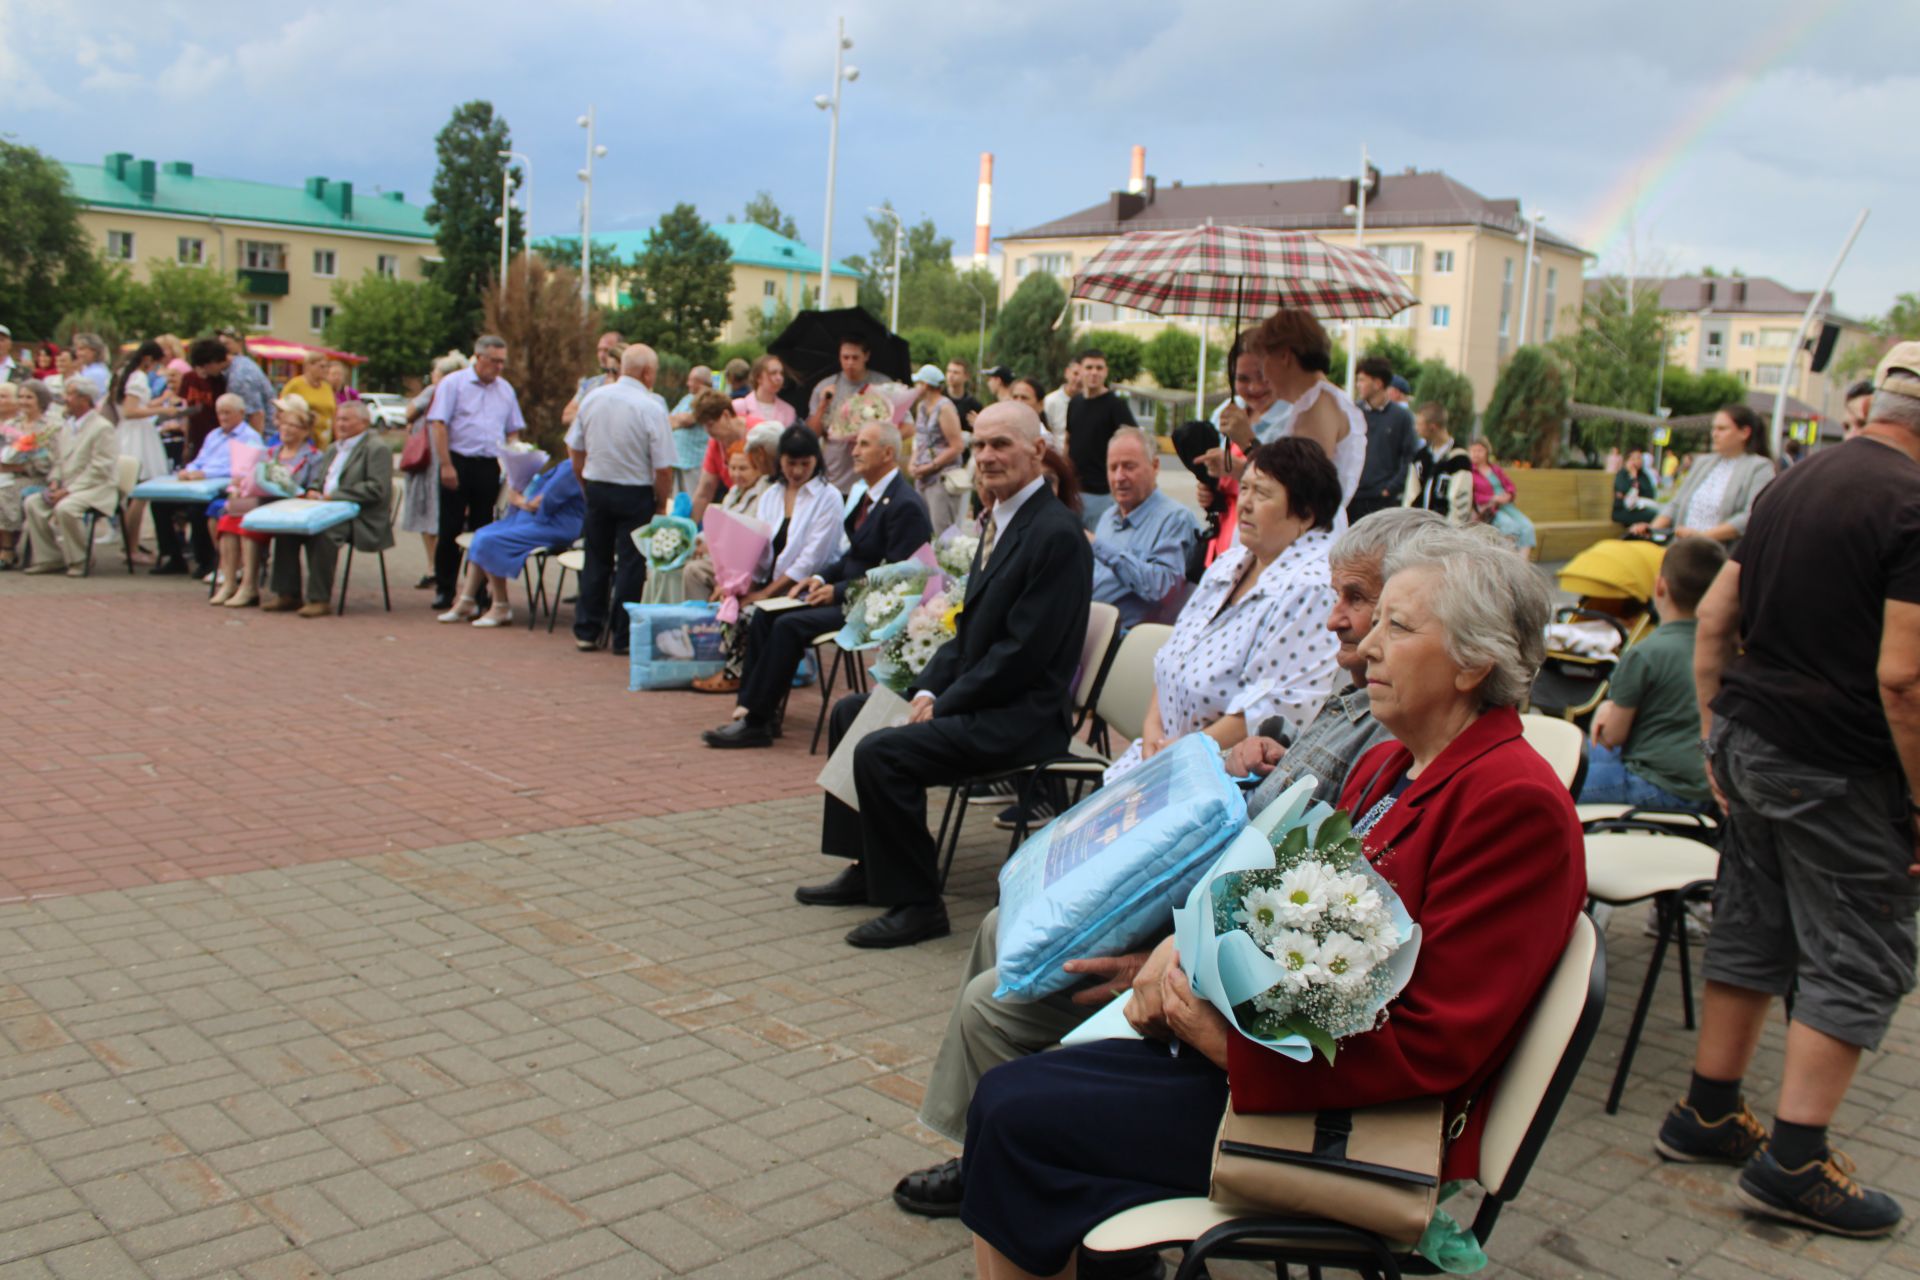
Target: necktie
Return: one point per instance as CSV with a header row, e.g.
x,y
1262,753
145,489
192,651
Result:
x,y
860,512
987,539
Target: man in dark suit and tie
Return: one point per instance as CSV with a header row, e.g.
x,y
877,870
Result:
x,y
886,526
997,694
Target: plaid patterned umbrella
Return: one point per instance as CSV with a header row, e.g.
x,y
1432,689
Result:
x,y
1231,272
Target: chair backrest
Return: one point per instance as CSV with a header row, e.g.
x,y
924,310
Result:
x,y
1102,621
126,474
1559,742
1526,1096
1129,685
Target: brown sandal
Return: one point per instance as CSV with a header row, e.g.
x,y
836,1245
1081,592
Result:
x,y
720,682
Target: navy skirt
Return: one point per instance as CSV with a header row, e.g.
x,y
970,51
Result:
x,y
1060,1142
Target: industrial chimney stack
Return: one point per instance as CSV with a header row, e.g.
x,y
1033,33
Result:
x,y
1137,177
983,212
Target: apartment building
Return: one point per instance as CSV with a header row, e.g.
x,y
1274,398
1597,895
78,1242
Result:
x,y
769,270
287,246
1462,254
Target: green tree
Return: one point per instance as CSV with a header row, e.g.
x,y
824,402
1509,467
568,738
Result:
x,y
1616,349
768,325
1687,392
681,285
1529,404
564,251
550,341
927,346
398,325
1172,356
1123,352
466,202
1900,324
1452,391
47,266
1395,352
762,210
1024,338
183,300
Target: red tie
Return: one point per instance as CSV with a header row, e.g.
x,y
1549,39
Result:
x,y
860,512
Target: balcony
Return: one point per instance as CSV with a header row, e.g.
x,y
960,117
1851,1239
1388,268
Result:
x,y
262,284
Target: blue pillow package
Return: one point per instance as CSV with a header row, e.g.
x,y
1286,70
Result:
x,y
1104,876
298,516
672,645
171,489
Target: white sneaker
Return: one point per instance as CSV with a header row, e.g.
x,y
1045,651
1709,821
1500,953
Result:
x,y
495,618
464,610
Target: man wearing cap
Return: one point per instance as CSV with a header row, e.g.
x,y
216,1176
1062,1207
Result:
x,y
81,481
1859,399
999,383
936,446
1807,667
1391,440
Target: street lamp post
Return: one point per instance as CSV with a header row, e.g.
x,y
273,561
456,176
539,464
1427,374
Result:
x,y
842,74
1526,276
586,212
505,220
1359,210
899,233
526,199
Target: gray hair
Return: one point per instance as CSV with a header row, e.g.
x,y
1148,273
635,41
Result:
x,y
1492,605
92,342
766,437
1892,407
1375,537
82,385
452,362
489,342
238,402
354,406
1136,435
42,394
700,371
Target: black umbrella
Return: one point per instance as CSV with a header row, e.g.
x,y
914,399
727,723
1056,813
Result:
x,y
809,350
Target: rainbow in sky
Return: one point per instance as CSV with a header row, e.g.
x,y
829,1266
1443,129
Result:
x,y
1650,174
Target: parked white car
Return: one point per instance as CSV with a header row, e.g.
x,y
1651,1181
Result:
x,y
389,410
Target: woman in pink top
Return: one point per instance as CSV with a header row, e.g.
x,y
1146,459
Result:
x,y
766,378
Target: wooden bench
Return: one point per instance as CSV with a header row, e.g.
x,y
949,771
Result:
x,y
1571,510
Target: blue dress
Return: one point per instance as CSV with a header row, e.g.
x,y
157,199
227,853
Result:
x,y
502,547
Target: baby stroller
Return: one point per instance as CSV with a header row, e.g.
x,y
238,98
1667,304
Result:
x,y
1614,581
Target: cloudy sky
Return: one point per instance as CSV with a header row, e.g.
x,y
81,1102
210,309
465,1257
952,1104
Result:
x,y
1738,134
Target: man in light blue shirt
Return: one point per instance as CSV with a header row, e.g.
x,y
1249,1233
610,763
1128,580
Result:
x,y
474,415
213,462
1140,544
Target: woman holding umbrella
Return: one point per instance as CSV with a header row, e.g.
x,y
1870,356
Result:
x,y
1295,354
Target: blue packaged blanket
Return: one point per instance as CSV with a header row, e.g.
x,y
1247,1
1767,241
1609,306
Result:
x,y
672,645
1104,876
298,515
168,489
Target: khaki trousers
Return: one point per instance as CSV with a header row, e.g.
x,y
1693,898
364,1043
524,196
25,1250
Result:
x,y
984,1032
59,533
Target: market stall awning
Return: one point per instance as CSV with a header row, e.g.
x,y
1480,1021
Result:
x,y
295,352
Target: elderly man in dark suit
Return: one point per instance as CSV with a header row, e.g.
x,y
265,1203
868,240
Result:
x,y
357,467
888,524
996,694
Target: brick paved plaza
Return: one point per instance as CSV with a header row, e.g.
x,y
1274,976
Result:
x,y
369,947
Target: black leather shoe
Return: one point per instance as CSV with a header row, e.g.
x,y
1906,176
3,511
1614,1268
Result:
x,y
738,733
932,1193
848,889
441,603
903,926
169,568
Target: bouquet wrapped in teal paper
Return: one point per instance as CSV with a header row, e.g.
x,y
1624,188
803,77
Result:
x,y
879,606
666,542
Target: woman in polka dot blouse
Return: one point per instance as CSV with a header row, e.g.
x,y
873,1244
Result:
x,y
1252,641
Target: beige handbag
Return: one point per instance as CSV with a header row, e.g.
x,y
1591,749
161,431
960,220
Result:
x,y
1376,1168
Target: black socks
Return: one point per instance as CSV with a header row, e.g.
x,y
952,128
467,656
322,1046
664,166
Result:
x,y
1795,1145
1713,1099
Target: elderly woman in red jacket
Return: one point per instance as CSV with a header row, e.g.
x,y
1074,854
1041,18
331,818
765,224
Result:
x,y
1475,833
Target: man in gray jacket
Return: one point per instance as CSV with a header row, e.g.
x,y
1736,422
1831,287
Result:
x,y
357,468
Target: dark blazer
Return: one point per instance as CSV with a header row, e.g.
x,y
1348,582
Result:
x,y
1009,668
896,527
1486,852
368,480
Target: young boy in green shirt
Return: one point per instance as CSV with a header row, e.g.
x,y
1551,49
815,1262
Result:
x,y
1646,735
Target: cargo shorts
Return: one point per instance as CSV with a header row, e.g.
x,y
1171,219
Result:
x,y
1813,894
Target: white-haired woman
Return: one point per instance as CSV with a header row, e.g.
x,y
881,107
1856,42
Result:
x,y
420,491
240,550
1478,838
26,457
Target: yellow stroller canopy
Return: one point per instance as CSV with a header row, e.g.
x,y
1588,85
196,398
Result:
x,y
1614,570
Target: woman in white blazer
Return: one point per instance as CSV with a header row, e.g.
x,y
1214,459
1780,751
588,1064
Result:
x,y
805,513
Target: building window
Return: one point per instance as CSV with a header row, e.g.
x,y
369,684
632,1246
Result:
x,y
768,289
1505,328
1443,262
1506,271
1747,338
389,265
263,255
260,314
1746,376
317,318
1442,315
1054,264
1776,338
120,246
1716,344
1768,375
191,252
1680,339
1402,258
1550,304
323,262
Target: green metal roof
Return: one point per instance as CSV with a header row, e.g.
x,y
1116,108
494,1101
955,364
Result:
x,y
173,188
752,245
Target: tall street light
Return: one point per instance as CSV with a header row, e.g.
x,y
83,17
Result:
x,y
586,212
505,220
1359,211
526,199
1526,277
899,234
830,103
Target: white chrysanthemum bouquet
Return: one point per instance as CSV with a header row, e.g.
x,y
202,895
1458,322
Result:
x,y
931,624
955,549
880,605
666,542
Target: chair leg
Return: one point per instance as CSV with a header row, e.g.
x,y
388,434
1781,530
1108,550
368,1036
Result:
x,y
93,524
1663,905
1680,919
826,697
346,576
559,594
385,594
948,841
126,534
